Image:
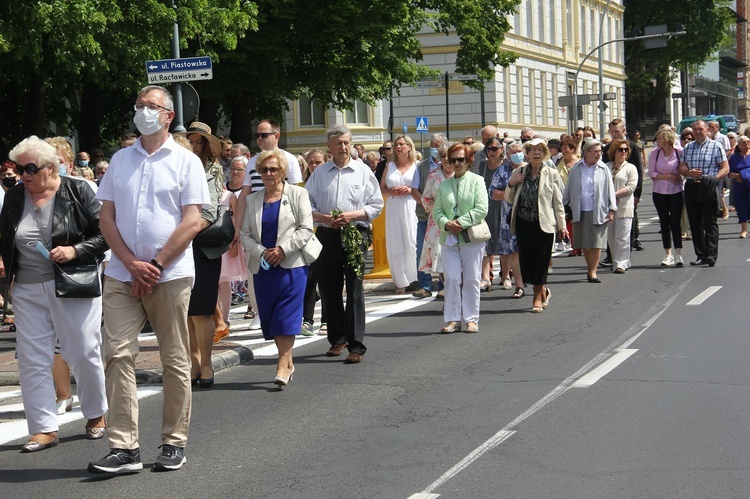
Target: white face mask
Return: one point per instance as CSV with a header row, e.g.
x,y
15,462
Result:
x,y
147,121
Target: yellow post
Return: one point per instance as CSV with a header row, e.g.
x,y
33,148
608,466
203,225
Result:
x,y
380,269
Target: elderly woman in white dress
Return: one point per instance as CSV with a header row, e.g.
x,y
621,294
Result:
x,y
625,178
400,213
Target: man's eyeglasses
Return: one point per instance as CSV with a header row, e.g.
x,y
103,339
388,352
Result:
x,y
264,135
30,168
151,107
236,169
458,160
269,169
622,149
493,149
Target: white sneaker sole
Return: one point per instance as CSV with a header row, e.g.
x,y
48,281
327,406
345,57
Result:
x,y
125,468
169,467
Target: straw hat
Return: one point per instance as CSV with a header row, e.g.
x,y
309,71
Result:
x,y
205,131
535,142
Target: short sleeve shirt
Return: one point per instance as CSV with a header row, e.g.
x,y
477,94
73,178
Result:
x,y
149,193
705,157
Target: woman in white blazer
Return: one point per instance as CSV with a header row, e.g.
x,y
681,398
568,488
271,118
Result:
x,y
625,178
536,191
276,226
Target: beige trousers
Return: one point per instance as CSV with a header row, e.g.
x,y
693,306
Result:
x,y
124,317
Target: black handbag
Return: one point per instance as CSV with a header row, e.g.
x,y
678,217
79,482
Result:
x,y
77,280
219,233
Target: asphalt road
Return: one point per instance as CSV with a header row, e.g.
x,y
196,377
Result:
x,y
619,389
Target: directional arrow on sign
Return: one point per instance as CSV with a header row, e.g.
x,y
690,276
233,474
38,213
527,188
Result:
x,y
204,74
153,66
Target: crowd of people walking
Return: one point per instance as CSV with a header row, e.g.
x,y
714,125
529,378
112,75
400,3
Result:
x,y
179,222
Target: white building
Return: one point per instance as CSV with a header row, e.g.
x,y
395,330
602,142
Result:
x,y
551,37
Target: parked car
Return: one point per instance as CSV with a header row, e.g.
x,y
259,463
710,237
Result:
x,y
686,122
733,124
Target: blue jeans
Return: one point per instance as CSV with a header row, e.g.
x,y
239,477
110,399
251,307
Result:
x,y
424,278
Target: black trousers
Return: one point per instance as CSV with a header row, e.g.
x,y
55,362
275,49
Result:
x,y
311,296
534,251
669,209
703,224
333,273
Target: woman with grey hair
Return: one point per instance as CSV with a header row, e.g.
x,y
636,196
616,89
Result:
x,y
590,194
43,262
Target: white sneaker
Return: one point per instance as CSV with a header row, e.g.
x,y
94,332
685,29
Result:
x,y
668,261
255,324
678,261
560,247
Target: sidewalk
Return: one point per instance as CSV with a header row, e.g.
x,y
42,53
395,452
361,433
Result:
x,y
148,365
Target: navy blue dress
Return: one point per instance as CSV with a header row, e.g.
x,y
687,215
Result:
x,y
280,292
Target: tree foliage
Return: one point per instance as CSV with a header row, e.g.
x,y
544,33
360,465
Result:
x,y
79,63
705,22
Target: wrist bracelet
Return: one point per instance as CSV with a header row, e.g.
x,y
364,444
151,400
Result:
x,y
156,264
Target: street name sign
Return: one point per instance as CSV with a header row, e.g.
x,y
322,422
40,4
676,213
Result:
x,y
177,70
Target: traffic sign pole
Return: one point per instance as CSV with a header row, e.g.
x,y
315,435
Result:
x,y
178,125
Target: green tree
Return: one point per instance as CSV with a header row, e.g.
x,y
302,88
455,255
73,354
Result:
x,y
338,52
79,63
705,22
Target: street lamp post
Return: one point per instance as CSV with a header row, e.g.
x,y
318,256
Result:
x,y
598,47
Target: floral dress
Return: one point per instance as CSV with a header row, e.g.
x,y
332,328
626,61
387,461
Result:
x,y
430,260
507,243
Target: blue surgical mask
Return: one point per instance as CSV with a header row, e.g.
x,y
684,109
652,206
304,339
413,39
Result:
x,y
517,158
63,171
434,152
83,163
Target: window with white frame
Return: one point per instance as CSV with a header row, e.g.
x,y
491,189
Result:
x,y
311,113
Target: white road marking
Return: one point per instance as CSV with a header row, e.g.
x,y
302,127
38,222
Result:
x,y
704,295
424,496
13,430
378,307
563,387
604,368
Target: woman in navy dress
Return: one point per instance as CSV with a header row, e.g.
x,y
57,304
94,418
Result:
x,y
276,226
738,162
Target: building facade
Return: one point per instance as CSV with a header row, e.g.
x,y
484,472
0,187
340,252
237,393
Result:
x,y
551,37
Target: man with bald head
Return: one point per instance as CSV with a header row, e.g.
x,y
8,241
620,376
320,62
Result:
x,y
487,133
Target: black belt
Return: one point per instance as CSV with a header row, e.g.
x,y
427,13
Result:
x,y
694,180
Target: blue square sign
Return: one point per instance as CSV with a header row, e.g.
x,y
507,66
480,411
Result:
x,y
422,124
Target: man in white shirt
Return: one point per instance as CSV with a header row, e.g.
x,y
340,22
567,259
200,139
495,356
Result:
x,y
348,186
152,197
267,135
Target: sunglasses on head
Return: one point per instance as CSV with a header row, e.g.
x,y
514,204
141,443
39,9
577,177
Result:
x,y
30,168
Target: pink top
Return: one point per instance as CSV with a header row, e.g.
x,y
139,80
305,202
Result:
x,y
658,163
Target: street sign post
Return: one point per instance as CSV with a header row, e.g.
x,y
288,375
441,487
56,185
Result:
x,y
176,70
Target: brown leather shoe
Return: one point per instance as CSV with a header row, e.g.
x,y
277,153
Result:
x,y
353,358
336,349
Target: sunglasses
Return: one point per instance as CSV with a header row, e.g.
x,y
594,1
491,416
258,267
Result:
x,y
31,168
264,135
457,160
269,169
493,149
622,149
468,143
387,148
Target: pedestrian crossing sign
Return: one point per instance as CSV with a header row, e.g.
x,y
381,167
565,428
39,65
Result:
x,y
422,124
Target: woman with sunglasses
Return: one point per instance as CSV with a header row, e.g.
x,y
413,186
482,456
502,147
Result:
x,y
663,167
430,260
590,194
50,226
494,156
508,242
277,225
203,320
625,180
397,186
461,203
